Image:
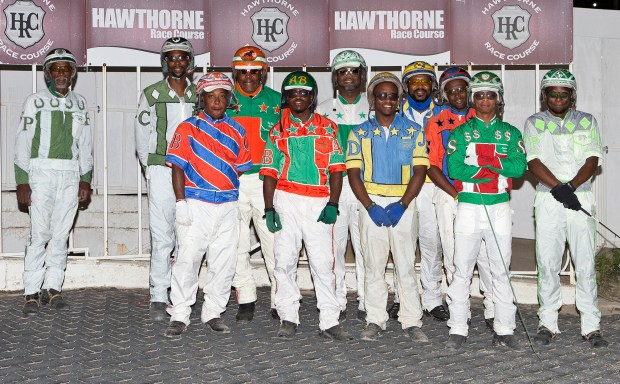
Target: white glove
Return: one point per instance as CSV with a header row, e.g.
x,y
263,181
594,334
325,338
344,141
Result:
x,y
471,160
183,213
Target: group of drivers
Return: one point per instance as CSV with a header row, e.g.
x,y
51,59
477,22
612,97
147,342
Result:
x,y
390,161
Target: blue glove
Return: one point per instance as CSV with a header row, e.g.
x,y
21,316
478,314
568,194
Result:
x,y
395,211
379,216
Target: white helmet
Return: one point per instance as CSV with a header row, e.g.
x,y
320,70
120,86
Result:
x,y
176,44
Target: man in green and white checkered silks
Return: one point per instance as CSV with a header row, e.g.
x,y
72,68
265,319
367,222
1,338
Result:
x,y
563,151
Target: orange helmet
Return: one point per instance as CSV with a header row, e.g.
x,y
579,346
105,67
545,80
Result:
x,y
249,57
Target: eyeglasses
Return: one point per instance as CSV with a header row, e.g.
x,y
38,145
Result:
x,y
485,95
298,93
253,71
387,96
561,95
348,71
456,91
174,59
413,81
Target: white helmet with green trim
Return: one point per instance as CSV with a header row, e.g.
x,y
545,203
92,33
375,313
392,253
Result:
x,y
55,56
486,81
559,78
348,58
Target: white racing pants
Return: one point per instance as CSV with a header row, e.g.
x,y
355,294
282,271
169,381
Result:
x,y
470,228
348,222
252,208
215,232
554,226
298,215
430,248
377,242
54,185
161,223
446,207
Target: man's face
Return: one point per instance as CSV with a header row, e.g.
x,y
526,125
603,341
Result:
x,y
419,87
456,91
299,100
349,79
249,79
386,99
559,100
61,73
178,62
485,102
215,103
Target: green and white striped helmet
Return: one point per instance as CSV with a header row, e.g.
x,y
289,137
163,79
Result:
x,y
559,78
55,56
59,54
348,58
486,81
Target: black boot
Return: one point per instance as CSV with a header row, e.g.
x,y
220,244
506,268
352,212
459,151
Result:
x,y
31,305
245,313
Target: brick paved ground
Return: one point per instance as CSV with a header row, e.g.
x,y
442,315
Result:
x,y
107,337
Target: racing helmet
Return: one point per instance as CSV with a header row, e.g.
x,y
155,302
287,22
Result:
x,y
383,77
212,81
250,57
56,55
560,78
176,44
349,58
299,80
452,73
486,81
420,68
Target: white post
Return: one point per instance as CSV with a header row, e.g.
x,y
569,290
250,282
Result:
x,y
537,81
271,76
139,176
105,159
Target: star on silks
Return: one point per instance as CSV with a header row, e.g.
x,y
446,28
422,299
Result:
x,y
339,115
276,109
329,129
361,132
410,130
263,107
394,131
377,131
440,123
326,114
293,129
275,132
312,128
362,115
451,121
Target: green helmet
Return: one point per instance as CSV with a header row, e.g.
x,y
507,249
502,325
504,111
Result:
x,y
299,80
348,58
486,81
176,44
559,78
